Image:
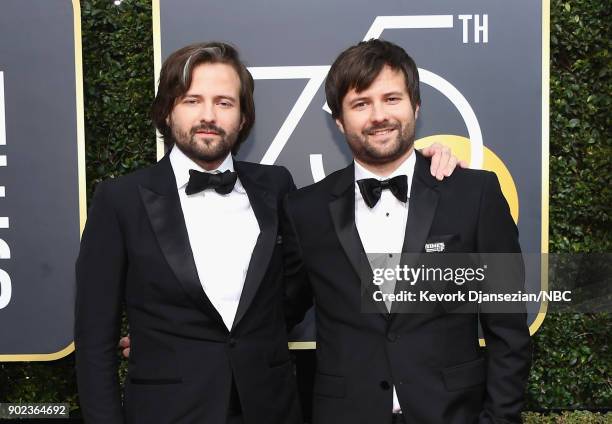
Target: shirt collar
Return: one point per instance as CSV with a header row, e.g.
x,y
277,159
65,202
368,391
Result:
x,y
405,168
181,164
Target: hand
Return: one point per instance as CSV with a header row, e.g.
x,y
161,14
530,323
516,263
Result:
x,y
124,345
443,162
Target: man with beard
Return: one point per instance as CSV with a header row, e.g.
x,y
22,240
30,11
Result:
x,y
374,366
192,246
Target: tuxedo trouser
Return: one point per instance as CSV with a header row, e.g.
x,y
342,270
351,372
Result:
x,y
235,419
397,419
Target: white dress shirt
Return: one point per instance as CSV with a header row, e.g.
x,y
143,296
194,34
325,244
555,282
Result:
x,y
222,231
382,227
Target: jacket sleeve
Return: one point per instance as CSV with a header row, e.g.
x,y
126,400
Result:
x,y
298,293
508,343
100,276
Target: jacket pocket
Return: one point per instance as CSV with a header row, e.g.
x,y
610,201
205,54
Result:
x,y
156,381
280,363
329,385
442,243
464,375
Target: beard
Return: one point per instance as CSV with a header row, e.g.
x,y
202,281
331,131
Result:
x,y
372,153
205,148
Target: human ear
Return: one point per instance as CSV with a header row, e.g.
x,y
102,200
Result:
x,y
339,125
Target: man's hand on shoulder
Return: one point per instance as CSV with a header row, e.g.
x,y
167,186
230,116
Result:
x,y
443,162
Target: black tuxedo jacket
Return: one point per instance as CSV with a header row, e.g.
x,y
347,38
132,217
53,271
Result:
x,y
135,252
433,360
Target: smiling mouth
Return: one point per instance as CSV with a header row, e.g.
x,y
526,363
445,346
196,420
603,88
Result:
x,y
382,131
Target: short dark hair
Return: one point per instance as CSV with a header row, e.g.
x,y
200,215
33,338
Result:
x,y
175,80
359,65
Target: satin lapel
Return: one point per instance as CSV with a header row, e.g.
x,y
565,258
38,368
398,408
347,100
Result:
x,y
422,207
161,201
421,211
342,210
265,210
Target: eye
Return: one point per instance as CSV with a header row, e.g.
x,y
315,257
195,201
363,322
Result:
x,y
393,99
225,103
190,101
359,105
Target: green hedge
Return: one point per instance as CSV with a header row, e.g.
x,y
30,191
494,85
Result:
x,y
580,148
572,355
119,87
578,417
571,367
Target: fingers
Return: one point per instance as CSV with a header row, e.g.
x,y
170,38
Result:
x,y
436,152
450,167
431,150
124,342
442,164
124,345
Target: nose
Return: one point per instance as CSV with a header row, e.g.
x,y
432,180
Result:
x,y
378,113
207,114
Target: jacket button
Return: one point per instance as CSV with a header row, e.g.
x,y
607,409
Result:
x,y
385,385
232,342
391,336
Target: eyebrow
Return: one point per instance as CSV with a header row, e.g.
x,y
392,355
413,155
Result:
x,y
359,99
227,97
365,98
198,96
393,93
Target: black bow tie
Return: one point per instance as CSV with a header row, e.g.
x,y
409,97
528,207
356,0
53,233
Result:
x,y
371,189
222,183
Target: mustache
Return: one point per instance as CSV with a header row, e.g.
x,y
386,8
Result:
x,y
208,127
371,130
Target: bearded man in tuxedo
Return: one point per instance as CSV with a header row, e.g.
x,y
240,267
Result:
x,y
191,246
380,366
